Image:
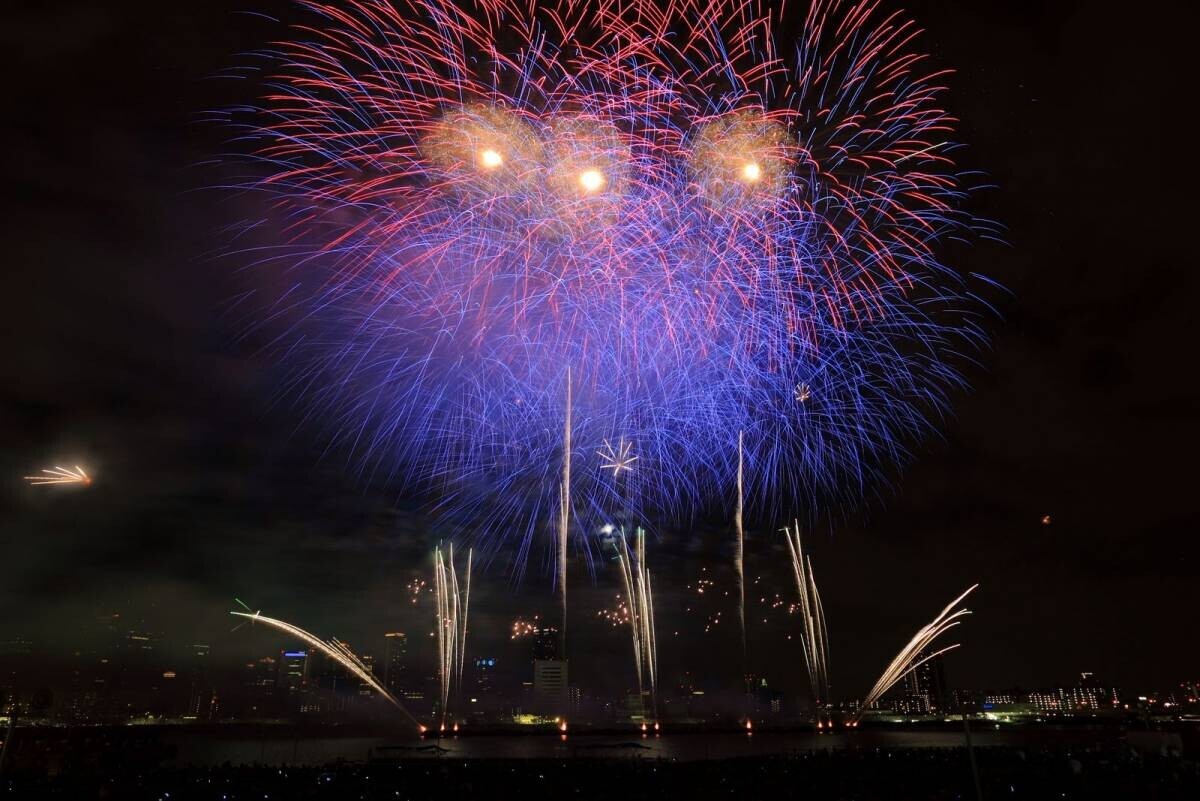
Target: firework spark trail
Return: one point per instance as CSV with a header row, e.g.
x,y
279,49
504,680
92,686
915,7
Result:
x,y
814,636
716,232
636,578
452,607
913,654
564,519
61,475
336,650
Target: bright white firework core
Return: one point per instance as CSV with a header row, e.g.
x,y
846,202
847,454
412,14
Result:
x,y
751,172
591,180
490,159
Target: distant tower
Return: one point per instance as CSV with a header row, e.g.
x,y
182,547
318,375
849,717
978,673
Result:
x,y
928,682
545,644
485,676
292,680
202,695
395,662
261,681
550,686
549,673
293,671
483,691
14,671
1091,693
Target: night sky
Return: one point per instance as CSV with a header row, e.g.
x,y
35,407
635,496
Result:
x,y
120,353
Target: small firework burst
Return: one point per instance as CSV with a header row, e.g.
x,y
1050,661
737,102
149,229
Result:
x,y
61,475
522,627
617,616
617,458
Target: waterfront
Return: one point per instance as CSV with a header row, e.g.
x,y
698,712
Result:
x,y
862,774
273,750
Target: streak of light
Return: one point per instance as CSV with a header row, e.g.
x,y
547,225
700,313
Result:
x,y
814,636
636,578
61,475
336,650
915,652
452,606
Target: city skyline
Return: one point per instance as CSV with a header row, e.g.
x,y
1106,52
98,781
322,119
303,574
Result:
x,y
142,675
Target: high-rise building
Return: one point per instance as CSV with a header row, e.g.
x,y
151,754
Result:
x,y
483,692
137,659
550,686
395,662
202,695
911,704
1088,695
142,684
368,662
485,676
292,673
545,643
926,685
261,696
1091,694
14,674
767,700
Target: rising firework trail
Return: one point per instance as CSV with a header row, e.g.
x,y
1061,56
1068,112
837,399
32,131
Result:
x,y
336,650
452,606
61,475
722,216
636,578
564,519
814,636
917,651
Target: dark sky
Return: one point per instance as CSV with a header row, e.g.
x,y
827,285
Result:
x,y
118,354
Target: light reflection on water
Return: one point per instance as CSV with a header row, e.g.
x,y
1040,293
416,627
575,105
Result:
x,y
208,750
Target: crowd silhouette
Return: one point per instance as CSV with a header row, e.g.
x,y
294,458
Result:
x,y
835,775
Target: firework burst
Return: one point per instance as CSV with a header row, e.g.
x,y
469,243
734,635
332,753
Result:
x,y
712,232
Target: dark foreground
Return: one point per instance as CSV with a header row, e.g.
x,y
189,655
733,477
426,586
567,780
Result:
x,y
902,774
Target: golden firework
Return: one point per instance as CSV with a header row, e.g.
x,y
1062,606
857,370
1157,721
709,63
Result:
x,y
741,157
61,475
485,148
